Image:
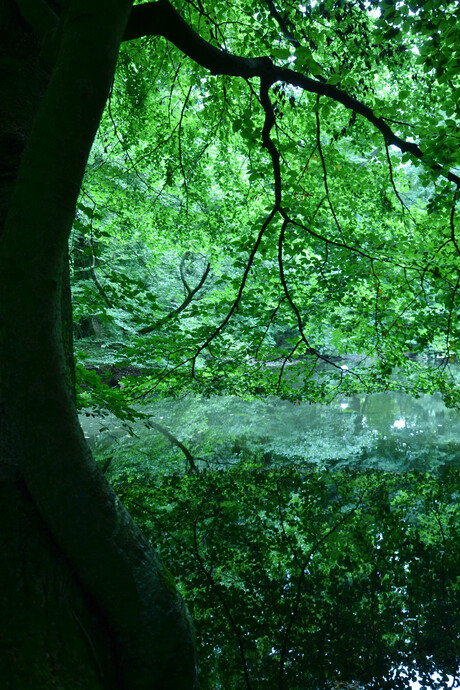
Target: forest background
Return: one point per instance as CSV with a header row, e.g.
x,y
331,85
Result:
x,y
246,200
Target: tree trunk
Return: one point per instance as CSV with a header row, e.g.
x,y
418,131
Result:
x,y
85,601
52,634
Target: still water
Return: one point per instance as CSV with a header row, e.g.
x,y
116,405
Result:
x,y
389,431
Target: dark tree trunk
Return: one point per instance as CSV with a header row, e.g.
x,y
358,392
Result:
x,y
84,601
52,634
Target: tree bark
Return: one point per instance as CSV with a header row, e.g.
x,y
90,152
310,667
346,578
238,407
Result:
x,y
70,553
52,634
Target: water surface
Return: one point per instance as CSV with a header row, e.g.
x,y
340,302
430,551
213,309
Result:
x,y
390,431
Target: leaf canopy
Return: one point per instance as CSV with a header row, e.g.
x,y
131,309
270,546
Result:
x,y
320,187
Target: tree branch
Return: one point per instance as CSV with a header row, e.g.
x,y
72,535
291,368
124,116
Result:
x,y
161,19
282,24
323,165
181,307
175,441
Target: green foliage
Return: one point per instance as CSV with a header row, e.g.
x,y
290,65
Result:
x,y
296,242
367,263
299,578
269,213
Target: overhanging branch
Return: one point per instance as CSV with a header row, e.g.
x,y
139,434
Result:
x,y
161,19
191,294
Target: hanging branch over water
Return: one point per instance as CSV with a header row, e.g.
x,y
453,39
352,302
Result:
x,y
161,19
190,295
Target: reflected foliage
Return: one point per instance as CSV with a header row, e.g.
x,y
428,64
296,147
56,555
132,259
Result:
x,y
299,578
387,431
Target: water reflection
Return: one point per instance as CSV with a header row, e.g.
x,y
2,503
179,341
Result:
x,y
390,431
399,424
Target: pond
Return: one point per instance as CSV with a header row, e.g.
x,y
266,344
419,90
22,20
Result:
x,y
390,431
387,431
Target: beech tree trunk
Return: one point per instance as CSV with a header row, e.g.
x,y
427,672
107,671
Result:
x,y
84,601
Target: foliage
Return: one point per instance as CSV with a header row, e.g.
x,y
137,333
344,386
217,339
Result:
x,y
299,578
327,232
333,270
293,238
